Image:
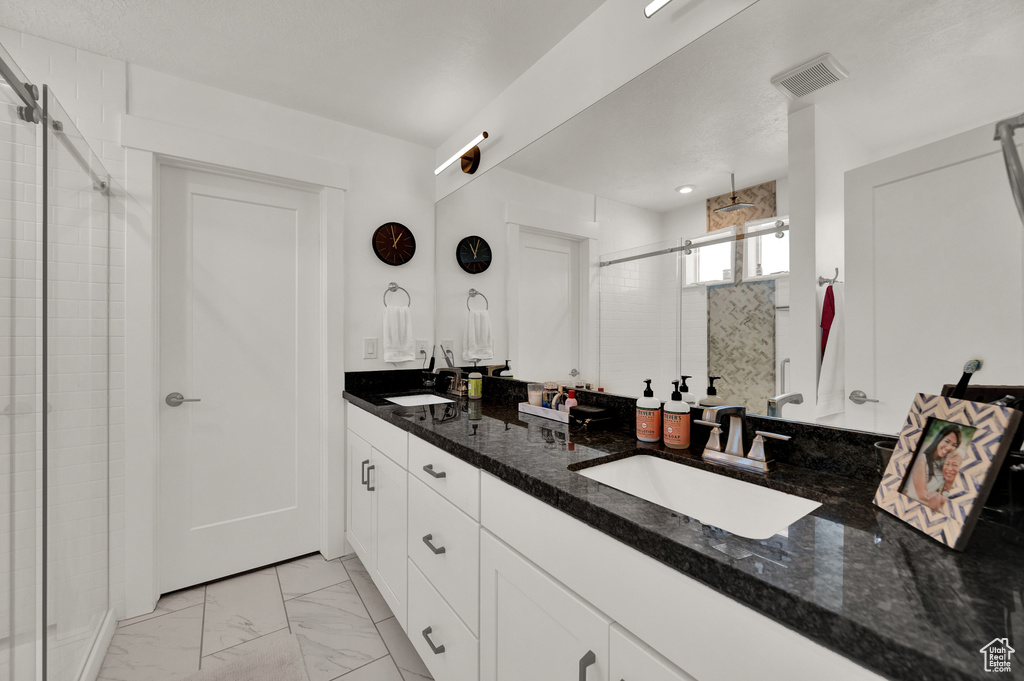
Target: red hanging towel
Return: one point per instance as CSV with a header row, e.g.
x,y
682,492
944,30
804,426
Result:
x,y
828,313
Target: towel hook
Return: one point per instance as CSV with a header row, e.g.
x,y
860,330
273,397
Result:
x,y
473,292
822,280
392,287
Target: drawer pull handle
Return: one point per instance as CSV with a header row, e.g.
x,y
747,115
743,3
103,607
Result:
x,y
362,474
438,550
437,649
429,468
585,661
368,487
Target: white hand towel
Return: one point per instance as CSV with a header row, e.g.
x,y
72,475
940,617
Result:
x,y
478,342
832,380
399,343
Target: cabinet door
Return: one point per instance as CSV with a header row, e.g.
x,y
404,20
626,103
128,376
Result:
x,y
532,627
633,660
390,484
360,500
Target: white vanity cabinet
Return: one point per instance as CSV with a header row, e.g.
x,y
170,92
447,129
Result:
x,y
634,660
377,503
532,627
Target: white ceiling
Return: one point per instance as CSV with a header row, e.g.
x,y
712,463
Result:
x,y
412,69
920,70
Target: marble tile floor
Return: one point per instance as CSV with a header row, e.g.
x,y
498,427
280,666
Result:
x,y
344,627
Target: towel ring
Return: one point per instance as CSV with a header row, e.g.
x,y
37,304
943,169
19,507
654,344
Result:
x,y
392,287
473,292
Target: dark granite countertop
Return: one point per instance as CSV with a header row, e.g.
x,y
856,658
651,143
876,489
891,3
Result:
x,y
847,576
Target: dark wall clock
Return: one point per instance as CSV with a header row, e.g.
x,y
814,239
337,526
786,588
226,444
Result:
x,y
473,254
394,243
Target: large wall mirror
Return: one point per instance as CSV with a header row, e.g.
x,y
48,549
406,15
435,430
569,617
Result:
x,y
890,176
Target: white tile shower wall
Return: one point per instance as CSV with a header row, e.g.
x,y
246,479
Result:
x,y
20,251
638,326
693,354
93,90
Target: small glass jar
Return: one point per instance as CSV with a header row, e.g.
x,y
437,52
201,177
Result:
x,y
535,393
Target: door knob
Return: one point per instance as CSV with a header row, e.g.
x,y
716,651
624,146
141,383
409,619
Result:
x,y
860,397
175,399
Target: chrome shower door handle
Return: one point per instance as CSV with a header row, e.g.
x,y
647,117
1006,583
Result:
x,y
176,399
860,397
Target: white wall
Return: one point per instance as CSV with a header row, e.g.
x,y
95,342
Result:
x,y
391,180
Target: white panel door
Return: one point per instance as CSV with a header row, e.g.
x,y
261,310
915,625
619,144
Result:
x,y
933,259
549,307
239,330
532,627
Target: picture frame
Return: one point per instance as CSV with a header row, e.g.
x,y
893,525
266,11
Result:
x,y
945,463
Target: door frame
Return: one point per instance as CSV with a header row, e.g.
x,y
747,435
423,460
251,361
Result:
x,y
151,145
520,218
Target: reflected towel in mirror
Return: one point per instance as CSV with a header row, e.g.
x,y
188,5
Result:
x,y
832,380
478,341
399,343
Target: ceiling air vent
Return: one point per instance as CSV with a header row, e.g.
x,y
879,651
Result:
x,y
809,77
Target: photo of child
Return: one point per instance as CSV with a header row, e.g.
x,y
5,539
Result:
x,y
935,471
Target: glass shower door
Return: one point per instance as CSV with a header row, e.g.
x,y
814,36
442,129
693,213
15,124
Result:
x,y
21,377
76,423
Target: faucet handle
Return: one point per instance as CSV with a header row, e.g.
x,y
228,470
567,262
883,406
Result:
x,y
757,450
714,441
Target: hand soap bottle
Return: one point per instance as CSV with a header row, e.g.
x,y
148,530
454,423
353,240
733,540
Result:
x,y
676,421
648,416
712,400
687,396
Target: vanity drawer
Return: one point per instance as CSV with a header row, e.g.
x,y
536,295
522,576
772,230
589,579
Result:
x,y
390,440
428,612
455,480
455,572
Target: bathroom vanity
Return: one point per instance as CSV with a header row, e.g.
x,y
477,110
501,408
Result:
x,y
502,561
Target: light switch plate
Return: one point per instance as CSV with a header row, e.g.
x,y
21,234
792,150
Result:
x,y
369,348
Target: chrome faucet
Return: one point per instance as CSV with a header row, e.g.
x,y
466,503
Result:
x,y
456,384
757,460
776,403
736,414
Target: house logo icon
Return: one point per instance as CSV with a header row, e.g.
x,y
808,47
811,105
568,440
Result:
x,y
997,655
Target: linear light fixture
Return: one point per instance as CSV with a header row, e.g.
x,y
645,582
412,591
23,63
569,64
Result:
x,y
650,10
470,155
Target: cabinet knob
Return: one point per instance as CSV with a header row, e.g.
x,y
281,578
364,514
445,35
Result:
x,y
585,661
429,468
438,550
437,649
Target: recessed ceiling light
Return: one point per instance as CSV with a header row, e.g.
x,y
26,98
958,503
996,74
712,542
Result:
x,y
686,188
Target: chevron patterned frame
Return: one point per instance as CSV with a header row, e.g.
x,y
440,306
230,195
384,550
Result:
x,y
982,457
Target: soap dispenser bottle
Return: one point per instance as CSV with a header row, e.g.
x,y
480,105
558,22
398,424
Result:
x,y
648,416
712,400
676,421
687,396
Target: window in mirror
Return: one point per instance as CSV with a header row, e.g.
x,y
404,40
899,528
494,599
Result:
x,y
766,256
711,264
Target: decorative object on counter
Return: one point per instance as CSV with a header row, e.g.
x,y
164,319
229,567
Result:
x,y
478,340
476,385
536,394
550,390
676,421
393,243
473,254
544,412
970,368
945,463
399,342
648,416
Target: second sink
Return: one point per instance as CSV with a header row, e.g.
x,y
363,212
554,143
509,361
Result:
x,y
735,506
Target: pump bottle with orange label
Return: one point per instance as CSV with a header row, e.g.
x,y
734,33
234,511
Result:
x,y
648,416
676,428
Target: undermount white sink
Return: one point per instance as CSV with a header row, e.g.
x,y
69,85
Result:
x,y
735,506
417,400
